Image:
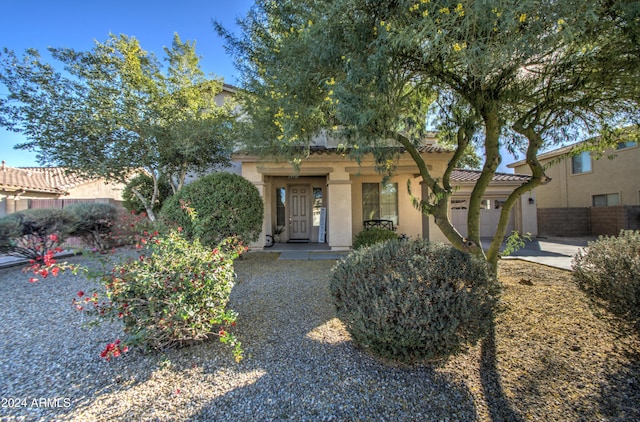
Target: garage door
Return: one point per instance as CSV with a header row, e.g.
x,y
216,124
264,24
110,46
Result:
x,y
489,217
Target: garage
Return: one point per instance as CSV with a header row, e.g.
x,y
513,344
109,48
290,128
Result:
x,y
489,216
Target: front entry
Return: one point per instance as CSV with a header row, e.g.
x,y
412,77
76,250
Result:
x,y
299,215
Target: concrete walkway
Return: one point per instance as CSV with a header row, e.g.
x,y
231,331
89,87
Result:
x,y
555,252
552,251
7,261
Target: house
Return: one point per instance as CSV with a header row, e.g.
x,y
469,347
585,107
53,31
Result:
x,y
328,197
588,194
50,187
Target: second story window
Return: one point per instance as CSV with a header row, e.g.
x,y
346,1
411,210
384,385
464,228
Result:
x,y
581,163
625,144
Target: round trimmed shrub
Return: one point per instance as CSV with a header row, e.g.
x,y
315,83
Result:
x,y
609,272
94,223
373,235
413,301
34,232
10,232
226,205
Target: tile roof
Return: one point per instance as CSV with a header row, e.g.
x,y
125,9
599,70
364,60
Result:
x,y
39,179
463,175
428,148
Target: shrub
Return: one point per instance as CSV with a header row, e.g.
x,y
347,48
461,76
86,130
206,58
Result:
x,y
37,232
373,235
609,271
94,223
144,184
226,205
174,294
413,301
10,231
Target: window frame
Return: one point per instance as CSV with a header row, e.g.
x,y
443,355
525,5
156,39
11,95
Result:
x,y
606,197
581,156
379,209
625,145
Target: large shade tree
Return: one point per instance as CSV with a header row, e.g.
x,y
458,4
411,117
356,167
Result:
x,y
116,110
519,75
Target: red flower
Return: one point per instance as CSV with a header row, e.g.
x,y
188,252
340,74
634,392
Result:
x,y
33,280
80,293
55,271
53,237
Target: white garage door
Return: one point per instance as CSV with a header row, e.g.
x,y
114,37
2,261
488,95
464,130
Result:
x,y
489,217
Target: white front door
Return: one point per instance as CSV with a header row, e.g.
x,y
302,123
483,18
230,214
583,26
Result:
x,y
299,215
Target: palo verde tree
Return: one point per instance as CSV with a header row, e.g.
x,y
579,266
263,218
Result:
x,y
115,111
520,75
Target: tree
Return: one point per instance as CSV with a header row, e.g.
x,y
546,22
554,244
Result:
x,y
516,74
115,112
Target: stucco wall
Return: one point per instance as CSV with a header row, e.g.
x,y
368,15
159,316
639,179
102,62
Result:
x,y
97,189
608,175
342,191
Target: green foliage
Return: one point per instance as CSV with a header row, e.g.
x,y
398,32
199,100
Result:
x,y
413,301
519,75
609,271
10,231
115,108
226,205
373,235
34,233
143,183
515,242
94,223
174,294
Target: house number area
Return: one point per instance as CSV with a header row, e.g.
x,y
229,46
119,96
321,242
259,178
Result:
x,y
39,402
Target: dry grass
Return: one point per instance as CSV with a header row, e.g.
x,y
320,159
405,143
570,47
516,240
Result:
x,y
559,358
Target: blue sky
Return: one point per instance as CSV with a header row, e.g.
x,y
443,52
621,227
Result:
x,y
77,23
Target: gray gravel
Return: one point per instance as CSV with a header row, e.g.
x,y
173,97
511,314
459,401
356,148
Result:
x,y
300,363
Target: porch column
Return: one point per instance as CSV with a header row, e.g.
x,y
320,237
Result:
x,y
250,173
339,224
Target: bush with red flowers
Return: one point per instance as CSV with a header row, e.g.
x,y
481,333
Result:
x,y
174,293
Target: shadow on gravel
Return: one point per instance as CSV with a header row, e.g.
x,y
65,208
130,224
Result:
x,y
619,397
500,408
312,371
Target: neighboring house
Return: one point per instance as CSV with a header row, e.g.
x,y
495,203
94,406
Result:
x,y
328,198
50,187
588,194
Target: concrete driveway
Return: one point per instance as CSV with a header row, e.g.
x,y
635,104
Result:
x,y
552,251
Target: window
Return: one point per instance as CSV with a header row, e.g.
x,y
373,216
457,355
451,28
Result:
x,y
280,201
625,144
317,205
499,203
581,163
458,204
606,200
380,201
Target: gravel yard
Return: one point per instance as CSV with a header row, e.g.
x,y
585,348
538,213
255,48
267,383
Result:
x,y
554,359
